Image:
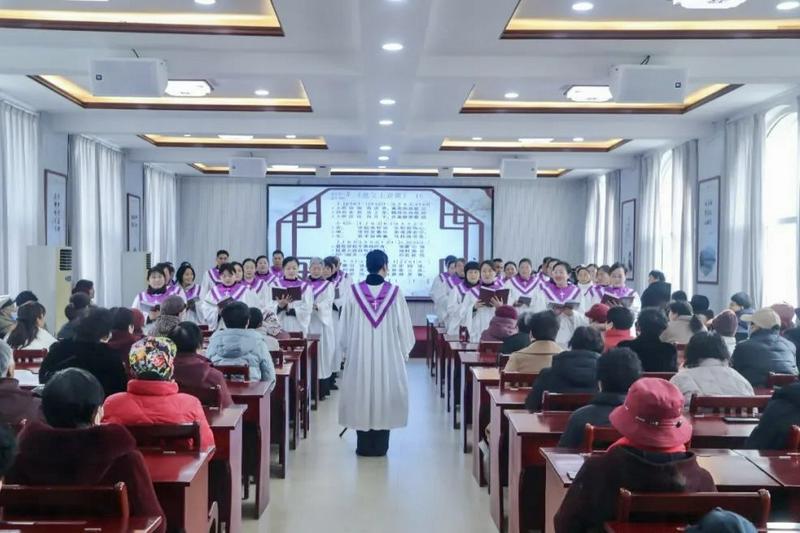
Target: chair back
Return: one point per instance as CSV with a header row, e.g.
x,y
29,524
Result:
x,y
295,334
208,396
65,501
660,375
489,348
793,446
502,360
29,358
290,345
277,358
780,380
690,507
599,437
516,380
166,437
554,401
728,405
234,372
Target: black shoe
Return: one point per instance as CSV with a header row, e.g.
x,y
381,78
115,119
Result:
x,y
334,387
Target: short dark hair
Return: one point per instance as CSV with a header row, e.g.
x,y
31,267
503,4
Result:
x,y
277,252
497,260
121,318
236,315
658,275
618,369
680,296
708,314
510,263
187,337
524,323
564,264
78,305
620,317
544,326
376,260
256,318
290,259
83,285
94,326
260,257
156,270
8,449
700,303
182,270
617,265
705,345
250,260
223,252
329,262
70,398
227,267
488,263
652,321
25,297
680,308
741,299
586,338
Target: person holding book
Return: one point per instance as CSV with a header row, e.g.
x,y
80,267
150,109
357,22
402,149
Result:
x,y
523,286
472,278
149,300
221,295
321,322
479,302
191,291
291,298
212,276
617,293
564,299
442,285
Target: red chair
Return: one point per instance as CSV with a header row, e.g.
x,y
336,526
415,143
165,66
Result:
x,y
690,507
209,396
599,437
516,380
489,348
780,380
728,405
166,437
234,372
552,401
64,501
29,358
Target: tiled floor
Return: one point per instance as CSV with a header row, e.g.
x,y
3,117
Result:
x,y
425,484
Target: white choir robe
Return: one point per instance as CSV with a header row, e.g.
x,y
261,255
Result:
x,y
476,321
567,324
210,279
519,289
208,307
440,290
342,285
617,292
453,319
144,302
321,324
261,292
302,309
374,389
189,294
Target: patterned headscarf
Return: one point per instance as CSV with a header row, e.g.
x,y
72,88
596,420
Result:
x,y
271,324
153,356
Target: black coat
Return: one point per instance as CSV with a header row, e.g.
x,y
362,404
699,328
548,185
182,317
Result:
x,y
782,412
764,352
656,356
96,358
596,414
571,371
515,343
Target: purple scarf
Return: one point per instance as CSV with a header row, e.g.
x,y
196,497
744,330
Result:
x,y
499,329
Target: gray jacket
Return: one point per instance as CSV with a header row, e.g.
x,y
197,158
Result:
x,y
242,347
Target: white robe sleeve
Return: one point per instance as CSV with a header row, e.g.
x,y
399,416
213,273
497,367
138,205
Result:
x,y
439,297
205,285
405,329
302,309
466,313
636,304
452,320
208,312
137,303
324,305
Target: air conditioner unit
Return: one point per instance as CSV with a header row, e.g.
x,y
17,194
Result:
x,y
651,84
518,169
128,77
248,167
50,278
134,274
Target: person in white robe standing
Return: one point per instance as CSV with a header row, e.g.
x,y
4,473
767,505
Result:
x,y
211,277
341,287
378,337
440,290
149,300
293,314
475,314
523,286
565,300
472,277
321,323
191,291
250,278
219,296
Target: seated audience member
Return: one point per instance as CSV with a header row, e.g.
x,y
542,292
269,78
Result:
x,y
7,310
152,396
237,345
16,404
138,322
521,339
617,370
782,412
721,521
502,326
707,372
682,324
257,323
172,311
89,351
657,292
793,335
656,356
786,313
122,336
598,316
741,304
85,286
25,297
725,324
700,304
8,451
574,370
73,449
539,354
272,326
765,351
651,456
76,309
620,322
29,333
679,296
191,368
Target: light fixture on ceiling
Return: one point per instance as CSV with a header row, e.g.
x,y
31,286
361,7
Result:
x,y
459,170
535,140
589,93
291,136
582,6
228,137
88,0
386,122
187,134
708,4
383,158
387,101
392,47
578,139
205,2
511,95
385,148
261,92
788,6
278,168
192,88
381,167
477,138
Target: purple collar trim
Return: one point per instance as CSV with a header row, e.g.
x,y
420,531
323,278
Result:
x,y
255,285
213,273
617,292
156,299
192,293
560,294
375,307
286,283
266,278
221,292
317,286
524,287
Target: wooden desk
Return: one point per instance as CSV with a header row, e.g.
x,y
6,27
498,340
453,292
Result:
x,y
498,450
281,410
711,431
482,377
256,396
181,483
28,379
133,524
454,351
468,360
784,468
300,378
226,424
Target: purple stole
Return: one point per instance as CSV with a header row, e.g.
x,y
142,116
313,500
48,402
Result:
x,y
213,273
375,307
256,285
317,286
221,292
561,294
524,287
617,292
153,300
286,283
476,290
193,293
276,271
463,289
266,278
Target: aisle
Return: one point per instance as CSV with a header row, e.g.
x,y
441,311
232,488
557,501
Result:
x,y
424,484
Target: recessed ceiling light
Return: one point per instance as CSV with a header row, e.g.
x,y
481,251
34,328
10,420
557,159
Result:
x,y
577,139
381,166
188,88
291,136
278,168
383,158
511,95
261,92
205,2
535,140
708,4
462,169
187,134
477,138
392,47
228,137
589,93
387,101
787,6
385,148
582,6
386,122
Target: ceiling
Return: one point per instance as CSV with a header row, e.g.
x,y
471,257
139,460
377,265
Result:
x,y
454,52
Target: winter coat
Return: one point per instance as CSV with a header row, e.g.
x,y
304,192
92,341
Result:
x,y
120,342
97,358
500,328
194,370
782,412
571,371
17,404
612,338
711,377
516,342
596,414
656,356
764,352
534,358
242,347
678,331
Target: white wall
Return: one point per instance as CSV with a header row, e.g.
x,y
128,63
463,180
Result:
x,y
53,155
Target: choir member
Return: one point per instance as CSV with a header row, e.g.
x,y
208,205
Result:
x,y
472,277
341,286
375,392
541,274
618,290
212,276
523,286
149,300
592,268
191,291
459,277
169,273
321,323
509,270
294,315
238,271
442,285
565,300
497,265
475,314
601,281
250,278
584,278
262,269
221,295
277,263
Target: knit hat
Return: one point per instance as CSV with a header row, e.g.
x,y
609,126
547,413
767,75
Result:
x,y
764,318
721,521
153,357
785,313
725,323
652,415
173,305
598,313
506,311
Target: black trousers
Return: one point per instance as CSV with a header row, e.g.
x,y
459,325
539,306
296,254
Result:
x,y
373,443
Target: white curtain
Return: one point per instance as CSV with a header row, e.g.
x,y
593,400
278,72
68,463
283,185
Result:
x,y
98,216
684,213
221,213
20,196
161,214
649,223
742,241
602,219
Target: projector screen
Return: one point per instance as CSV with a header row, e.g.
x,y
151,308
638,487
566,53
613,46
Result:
x,y
416,226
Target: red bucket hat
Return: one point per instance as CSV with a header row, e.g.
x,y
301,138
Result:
x,y
598,313
506,311
652,415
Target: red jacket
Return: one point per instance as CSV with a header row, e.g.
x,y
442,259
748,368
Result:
x,y
99,455
156,402
194,370
612,337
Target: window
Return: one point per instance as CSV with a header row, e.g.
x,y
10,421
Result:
x,y
668,237
780,208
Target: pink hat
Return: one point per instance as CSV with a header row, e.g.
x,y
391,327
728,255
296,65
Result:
x,y
652,415
786,314
598,313
725,323
506,311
